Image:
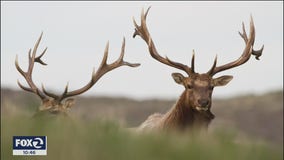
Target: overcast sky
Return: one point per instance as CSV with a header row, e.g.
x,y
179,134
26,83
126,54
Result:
x,y
76,34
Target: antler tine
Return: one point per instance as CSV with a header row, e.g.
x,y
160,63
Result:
x,y
143,19
19,68
244,34
38,59
248,51
192,60
54,96
33,57
28,75
23,87
210,72
104,61
96,75
64,93
143,32
256,53
120,61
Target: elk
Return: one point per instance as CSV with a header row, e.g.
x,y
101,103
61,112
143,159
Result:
x,y
192,109
57,104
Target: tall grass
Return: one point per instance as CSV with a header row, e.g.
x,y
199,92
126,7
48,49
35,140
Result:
x,y
74,139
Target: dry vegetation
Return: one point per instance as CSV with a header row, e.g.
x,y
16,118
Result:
x,y
85,134
259,116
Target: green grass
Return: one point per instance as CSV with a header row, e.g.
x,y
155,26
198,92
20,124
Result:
x,y
73,139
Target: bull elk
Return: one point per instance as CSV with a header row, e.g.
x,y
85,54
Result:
x,y
192,109
53,103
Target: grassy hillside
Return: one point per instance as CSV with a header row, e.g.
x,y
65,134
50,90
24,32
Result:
x,y
74,139
245,127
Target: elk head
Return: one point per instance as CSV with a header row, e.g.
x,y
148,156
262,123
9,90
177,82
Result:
x,y
199,87
54,103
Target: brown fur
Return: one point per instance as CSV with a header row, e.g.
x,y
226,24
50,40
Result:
x,y
193,107
180,116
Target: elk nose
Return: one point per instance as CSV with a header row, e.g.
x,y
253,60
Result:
x,y
203,102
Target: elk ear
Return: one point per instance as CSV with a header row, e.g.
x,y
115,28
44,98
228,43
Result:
x,y
178,78
69,102
222,81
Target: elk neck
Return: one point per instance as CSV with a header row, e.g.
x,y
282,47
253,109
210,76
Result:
x,y
182,115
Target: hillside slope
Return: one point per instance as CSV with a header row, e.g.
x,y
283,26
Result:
x,y
257,116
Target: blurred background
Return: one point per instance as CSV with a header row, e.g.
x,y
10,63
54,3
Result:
x,y
76,34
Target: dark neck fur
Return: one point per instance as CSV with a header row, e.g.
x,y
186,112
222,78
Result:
x,y
182,116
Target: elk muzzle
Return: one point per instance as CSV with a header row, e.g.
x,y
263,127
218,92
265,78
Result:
x,y
203,104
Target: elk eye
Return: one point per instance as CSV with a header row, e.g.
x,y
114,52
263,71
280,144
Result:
x,y
189,86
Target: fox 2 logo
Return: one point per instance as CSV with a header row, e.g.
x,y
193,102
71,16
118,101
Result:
x,y
29,142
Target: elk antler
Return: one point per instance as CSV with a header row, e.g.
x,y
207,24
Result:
x,y
28,75
143,32
104,68
248,51
45,95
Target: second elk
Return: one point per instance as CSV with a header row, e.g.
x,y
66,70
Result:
x,y
58,104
